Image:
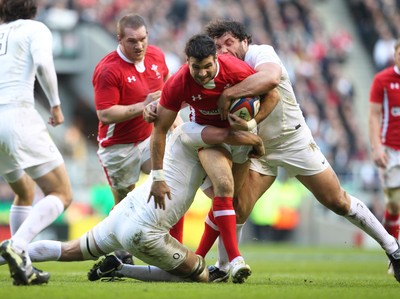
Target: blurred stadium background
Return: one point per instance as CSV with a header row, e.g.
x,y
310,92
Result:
x,y
331,48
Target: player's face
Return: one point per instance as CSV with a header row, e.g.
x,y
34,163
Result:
x,y
133,43
227,44
203,71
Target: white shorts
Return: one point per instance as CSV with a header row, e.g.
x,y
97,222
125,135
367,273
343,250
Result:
x,y
25,142
135,225
297,153
122,162
154,246
390,176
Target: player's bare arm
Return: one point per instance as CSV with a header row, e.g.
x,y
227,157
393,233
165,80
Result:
x,y
159,188
377,150
120,113
266,78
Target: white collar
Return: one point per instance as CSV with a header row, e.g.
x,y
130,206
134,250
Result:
x,y
138,65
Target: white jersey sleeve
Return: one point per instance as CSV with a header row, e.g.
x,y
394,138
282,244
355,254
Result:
x,y
286,116
26,52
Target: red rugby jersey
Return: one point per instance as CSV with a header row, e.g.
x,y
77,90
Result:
x,y
118,82
181,87
385,90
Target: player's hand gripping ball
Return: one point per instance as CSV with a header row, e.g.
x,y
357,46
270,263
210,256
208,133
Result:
x,y
246,107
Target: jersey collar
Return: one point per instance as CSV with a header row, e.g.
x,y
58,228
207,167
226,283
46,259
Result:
x,y
139,65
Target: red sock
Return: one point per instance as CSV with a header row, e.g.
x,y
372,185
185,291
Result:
x,y
209,236
391,224
177,230
225,218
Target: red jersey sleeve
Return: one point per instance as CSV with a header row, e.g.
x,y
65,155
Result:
x,y
173,92
106,90
376,91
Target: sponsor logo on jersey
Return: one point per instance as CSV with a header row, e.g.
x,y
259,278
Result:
x,y
131,79
154,68
196,98
209,112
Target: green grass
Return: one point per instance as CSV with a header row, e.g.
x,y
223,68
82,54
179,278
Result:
x,y
279,271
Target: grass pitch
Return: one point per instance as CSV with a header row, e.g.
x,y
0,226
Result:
x,y
279,271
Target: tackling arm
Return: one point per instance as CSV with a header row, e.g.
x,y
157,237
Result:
x,y
266,78
159,188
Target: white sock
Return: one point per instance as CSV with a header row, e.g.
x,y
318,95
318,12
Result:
x,y
148,273
223,259
18,214
45,250
362,217
43,213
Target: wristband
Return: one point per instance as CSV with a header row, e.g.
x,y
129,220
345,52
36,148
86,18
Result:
x,y
251,124
158,175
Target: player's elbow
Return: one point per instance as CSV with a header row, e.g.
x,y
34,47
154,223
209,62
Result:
x,y
105,117
274,82
40,69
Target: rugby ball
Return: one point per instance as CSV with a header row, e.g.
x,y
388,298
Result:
x,y
246,107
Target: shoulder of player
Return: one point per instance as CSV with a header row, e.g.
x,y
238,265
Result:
x,y
228,60
259,50
31,25
177,81
387,72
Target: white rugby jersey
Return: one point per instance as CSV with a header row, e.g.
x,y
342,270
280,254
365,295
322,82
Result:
x,y
286,116
26,49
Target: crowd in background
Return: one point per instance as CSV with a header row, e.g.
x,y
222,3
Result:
x,y
312,57
378,23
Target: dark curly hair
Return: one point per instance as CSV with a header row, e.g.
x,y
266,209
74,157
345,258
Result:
x,y
216,29
11,10
200,46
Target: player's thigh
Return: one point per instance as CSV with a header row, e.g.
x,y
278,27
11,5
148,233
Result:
x,y
24,188
217,164
390,175
122,164
56,182
240,172
108,234
254,186
327,190
157,247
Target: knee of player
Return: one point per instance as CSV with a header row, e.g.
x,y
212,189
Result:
x,y
393,200
340,203
66,197
223,187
